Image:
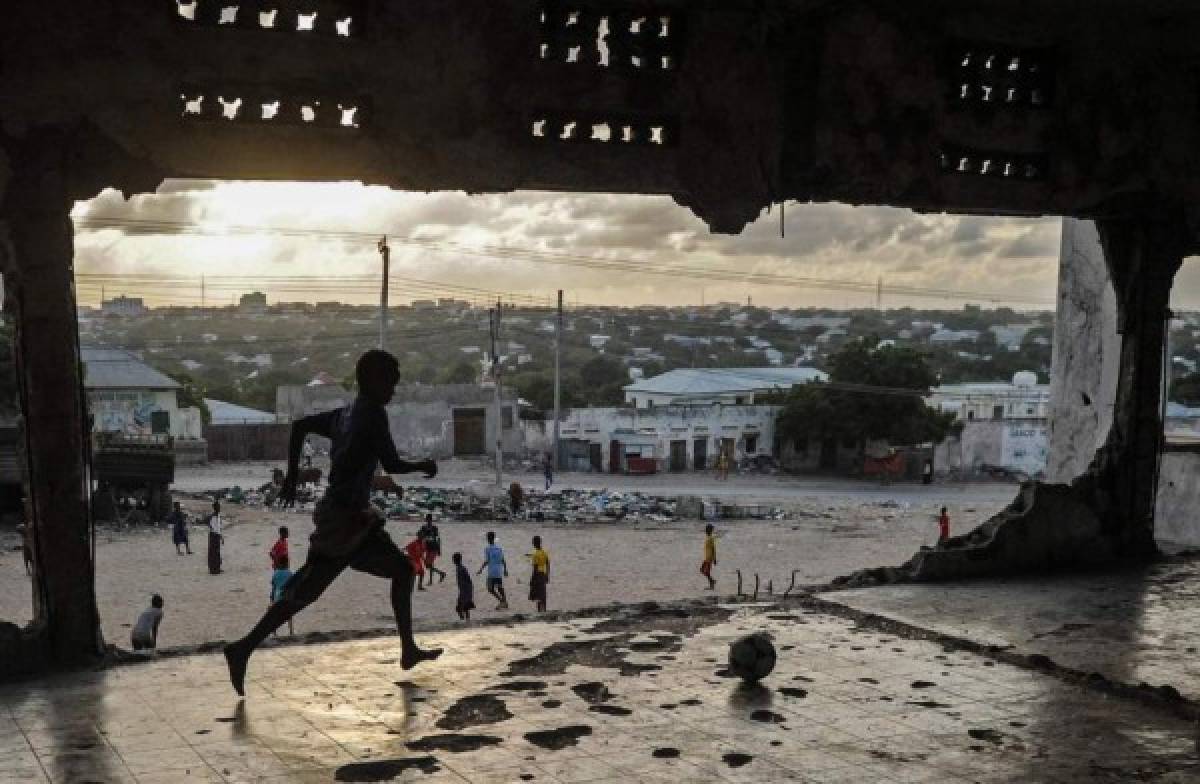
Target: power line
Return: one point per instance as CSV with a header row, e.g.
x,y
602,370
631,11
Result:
x,y
139,227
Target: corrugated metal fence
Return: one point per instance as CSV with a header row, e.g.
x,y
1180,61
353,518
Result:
x,y
247,442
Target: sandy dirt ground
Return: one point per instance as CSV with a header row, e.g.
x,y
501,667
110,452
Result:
x,y
836,526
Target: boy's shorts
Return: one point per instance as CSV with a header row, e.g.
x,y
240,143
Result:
x,y
495,582
706,568
430,557
376,554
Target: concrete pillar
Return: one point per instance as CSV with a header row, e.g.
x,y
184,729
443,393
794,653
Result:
x,y
40,290
1143,257
1083,375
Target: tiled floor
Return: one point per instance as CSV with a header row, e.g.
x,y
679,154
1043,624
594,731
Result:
x,y
843,705
1132,626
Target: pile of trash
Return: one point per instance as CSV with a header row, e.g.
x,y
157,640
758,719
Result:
x,y
477,500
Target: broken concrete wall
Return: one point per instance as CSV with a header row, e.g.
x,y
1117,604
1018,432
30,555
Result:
x,y
1040,531
1176,520
1087,348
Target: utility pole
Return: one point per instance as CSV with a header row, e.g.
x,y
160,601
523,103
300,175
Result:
x,y
558,337
203,301
879,294
495,330
386,254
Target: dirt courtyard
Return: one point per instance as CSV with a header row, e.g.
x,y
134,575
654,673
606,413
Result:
x,y
832,530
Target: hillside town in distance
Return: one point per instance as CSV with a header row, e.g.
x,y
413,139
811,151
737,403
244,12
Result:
x,y
678,388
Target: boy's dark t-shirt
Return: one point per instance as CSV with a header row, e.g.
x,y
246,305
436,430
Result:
x,y
361,441
432,538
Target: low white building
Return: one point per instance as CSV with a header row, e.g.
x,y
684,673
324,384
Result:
x,y
599,341
1004,426
943,337
1022,398
706,386
675,438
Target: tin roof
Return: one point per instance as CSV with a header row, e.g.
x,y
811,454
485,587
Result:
x,y
110,368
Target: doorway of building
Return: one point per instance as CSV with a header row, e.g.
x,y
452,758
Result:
x,y
469,427
679,455
700,453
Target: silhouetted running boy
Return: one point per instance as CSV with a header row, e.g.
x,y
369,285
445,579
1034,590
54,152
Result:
x,y
349,531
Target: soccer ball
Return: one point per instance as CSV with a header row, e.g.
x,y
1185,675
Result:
x,y
752,658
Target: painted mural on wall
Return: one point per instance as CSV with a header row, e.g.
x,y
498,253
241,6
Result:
x,y
131,413
1025,447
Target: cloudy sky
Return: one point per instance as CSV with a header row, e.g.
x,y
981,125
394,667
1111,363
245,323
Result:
x,y
527,244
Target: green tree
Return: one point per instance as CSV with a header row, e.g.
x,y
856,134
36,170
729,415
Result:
x,y
191,394
538,389
462,372
1185,390
874,393
602,381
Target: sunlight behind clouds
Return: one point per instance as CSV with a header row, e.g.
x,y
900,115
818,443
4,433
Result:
x,y
532,242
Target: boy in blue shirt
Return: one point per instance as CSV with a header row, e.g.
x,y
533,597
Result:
x,y
349,530
279,578
497,569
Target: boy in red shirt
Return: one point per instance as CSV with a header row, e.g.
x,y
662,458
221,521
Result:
x,y
416,555
279,550
943,527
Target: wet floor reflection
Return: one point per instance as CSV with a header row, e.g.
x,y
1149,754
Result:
x,y
846,702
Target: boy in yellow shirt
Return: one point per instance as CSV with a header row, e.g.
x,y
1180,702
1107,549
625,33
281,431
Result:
x,y
541,574
710,556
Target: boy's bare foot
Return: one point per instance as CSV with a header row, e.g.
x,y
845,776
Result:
x,y
237,660
414,656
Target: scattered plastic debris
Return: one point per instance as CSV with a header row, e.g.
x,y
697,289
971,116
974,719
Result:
x,y
480,501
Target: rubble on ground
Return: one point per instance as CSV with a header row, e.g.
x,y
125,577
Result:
x,y
480,501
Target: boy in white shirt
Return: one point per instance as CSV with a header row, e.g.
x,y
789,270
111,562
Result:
x,y
145,632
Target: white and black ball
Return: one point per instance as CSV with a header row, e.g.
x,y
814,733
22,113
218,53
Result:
x,y
752,658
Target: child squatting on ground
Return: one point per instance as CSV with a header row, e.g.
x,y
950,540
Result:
x,y
349,531
144,636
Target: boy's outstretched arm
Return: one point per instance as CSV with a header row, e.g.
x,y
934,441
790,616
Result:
x,y
389,458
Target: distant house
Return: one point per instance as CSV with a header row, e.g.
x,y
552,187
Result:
x,y
687,341
254,302
807,322
944,337
123,306
730,386
830,335
125,395
1011,335
598,341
